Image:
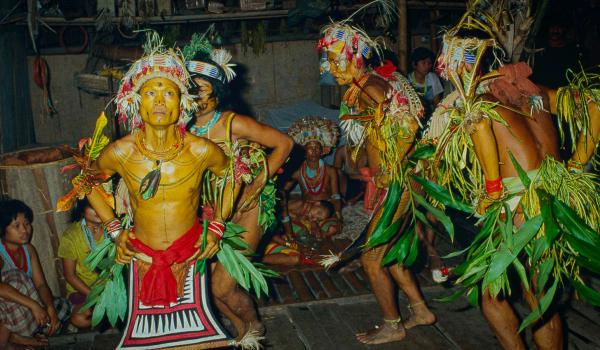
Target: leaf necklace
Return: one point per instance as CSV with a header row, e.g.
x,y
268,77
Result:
x,y
150,182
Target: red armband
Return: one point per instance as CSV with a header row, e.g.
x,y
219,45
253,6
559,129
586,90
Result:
x,y
493,186
217,228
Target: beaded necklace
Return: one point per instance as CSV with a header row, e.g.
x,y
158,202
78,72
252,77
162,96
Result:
x,y
13,258
313,182
200,131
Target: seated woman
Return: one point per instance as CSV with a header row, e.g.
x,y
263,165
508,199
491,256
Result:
x,y
76,244
28,311
318,181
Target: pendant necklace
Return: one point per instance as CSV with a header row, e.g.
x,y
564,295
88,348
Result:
x,y
150,182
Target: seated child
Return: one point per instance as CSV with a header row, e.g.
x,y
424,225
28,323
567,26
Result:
x,y
76,243
28,311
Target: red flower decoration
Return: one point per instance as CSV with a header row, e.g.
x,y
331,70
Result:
x,y
386,70
240,168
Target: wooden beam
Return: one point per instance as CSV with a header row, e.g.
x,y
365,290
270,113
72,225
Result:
x,y
403,36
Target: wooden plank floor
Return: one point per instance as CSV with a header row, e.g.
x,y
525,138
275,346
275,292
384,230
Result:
x,y
310,308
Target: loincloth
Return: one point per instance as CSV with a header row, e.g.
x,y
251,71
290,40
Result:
x,y
186,323
162,280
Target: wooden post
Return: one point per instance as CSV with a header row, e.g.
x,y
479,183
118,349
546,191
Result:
x,y
402,36
433,16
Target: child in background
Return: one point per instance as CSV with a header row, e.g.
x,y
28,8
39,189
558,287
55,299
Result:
x,y
76,244
425,82
28,311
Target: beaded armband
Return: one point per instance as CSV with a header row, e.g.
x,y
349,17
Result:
x,y
217,228
113,228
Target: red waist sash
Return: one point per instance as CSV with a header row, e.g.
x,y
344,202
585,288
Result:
x,y
159,286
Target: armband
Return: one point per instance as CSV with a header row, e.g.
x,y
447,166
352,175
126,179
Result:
x,y
493,186
113,228
217,228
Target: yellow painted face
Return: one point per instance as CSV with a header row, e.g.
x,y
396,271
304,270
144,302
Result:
x,y
160,102
206,102
343,71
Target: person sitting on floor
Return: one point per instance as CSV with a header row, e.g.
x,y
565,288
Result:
x,y
76,243
318,181
28,311
284,250
314,218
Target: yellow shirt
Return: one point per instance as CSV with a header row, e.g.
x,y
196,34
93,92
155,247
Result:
x,y
74,246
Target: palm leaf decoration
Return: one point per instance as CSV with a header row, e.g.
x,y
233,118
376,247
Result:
x,y
88,178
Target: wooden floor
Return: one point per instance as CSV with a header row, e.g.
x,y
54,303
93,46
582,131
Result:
x,y
313,309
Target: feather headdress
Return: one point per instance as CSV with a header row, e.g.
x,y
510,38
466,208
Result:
x,y
200,44
350,42
321,130
157,62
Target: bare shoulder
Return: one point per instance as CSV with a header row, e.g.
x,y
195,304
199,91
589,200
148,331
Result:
x,y
123,147
198,146
375,89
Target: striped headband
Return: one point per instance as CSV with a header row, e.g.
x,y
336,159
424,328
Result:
x,y
206,69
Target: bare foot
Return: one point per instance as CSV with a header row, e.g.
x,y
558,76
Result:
x,y
420,315
382,334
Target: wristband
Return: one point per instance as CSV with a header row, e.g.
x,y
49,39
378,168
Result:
x,y
575,166
217,228
285,219
113,228
493,186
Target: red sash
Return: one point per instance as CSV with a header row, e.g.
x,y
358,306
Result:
x,y
159,286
